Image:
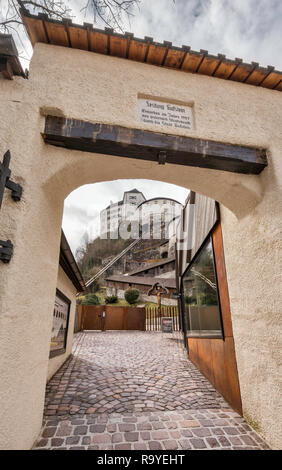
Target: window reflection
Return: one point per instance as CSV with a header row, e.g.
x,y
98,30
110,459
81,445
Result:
x,y
201,304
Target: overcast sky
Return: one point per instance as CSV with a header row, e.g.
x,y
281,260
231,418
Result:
x,y
248,29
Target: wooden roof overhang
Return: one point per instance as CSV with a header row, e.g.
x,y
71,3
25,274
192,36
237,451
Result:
x,y
65,33
69,265
9,60
142,280
149,266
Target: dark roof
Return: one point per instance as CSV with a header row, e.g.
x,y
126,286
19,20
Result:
x,y
145,281
68,264
64,33
133,191
152,265
156,198
10,64
120,203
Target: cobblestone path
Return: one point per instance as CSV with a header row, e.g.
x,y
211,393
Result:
x,y
137,390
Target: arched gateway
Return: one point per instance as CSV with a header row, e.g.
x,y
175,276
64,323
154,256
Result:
x,y
85,116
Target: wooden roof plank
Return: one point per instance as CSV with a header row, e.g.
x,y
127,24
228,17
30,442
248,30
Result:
x,y
208,66
174,58
242,72
272,80
137,50
156,54
98,42
225,69
78,38
57,34
279,86
118,46
192,61
35,29
257,76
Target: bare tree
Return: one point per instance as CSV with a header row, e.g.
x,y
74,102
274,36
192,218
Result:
x,y
111,12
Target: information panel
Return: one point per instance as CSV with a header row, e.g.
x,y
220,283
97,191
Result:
x,y
60,325
164,114
167,325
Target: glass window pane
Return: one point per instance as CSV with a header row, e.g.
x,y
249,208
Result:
x,y
200,296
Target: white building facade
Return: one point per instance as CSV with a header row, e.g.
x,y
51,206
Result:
x,y
111,217
155,216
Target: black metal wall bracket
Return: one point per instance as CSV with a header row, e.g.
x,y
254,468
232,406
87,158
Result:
x,y
16,189
5,181
7,247
6,250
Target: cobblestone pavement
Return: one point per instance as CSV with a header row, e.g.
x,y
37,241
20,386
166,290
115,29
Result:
x,y
137,390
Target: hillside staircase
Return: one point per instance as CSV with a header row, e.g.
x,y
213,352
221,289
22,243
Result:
x,y
113,261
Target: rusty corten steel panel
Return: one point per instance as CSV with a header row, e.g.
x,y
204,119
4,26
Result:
x,y
115,318
193,351
136,319
216,360
92,319
204,347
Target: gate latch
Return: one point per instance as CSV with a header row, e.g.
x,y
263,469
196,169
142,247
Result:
x,y
6,250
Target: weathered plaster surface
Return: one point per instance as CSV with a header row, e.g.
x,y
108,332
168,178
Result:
x,y
66,287
104,89
253,263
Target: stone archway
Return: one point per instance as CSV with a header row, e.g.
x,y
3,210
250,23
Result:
x,y
37,245
250,208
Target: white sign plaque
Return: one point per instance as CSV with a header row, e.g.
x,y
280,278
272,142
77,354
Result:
x,y
160,113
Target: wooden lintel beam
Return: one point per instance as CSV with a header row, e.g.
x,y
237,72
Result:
x,y
147,145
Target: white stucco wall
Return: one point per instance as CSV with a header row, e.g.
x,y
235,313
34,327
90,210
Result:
x,y
253,265
104,89
67,288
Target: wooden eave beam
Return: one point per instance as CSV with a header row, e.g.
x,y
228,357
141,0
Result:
x,y
65,33
146,145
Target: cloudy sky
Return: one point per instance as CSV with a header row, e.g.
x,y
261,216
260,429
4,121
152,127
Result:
x,y
248,29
